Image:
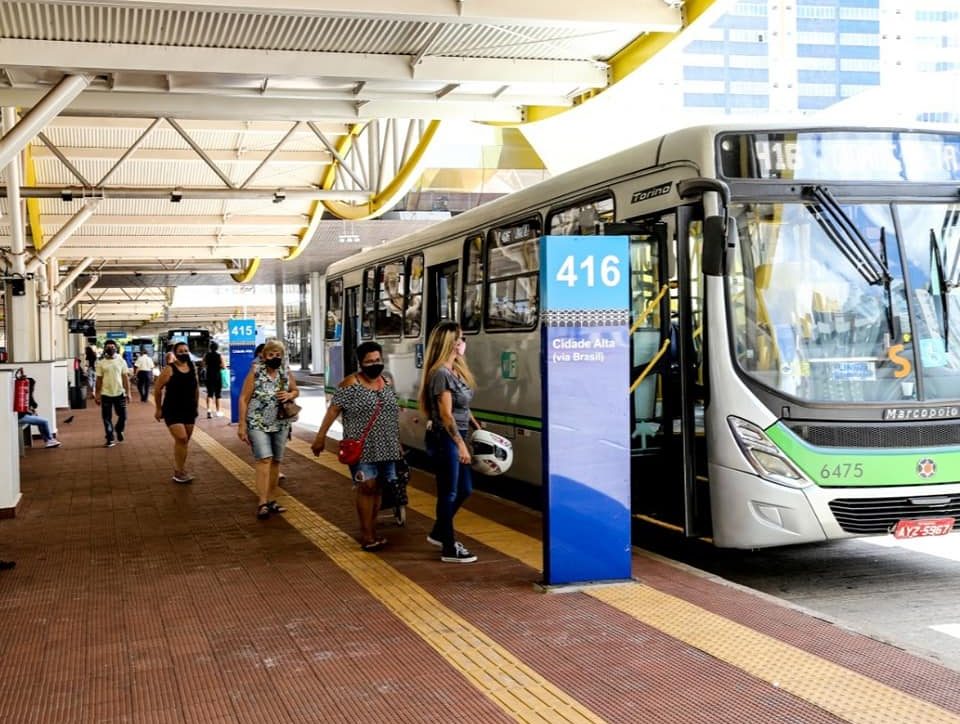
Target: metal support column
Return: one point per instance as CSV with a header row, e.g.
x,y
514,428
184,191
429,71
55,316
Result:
x,y
317,326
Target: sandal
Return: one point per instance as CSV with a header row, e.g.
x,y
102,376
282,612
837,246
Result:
x,y
263,512
275,507
374,545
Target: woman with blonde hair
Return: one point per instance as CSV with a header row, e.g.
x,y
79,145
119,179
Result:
x,y
446,389
268,384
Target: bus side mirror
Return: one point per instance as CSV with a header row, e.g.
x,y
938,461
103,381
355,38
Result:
x,y
714,245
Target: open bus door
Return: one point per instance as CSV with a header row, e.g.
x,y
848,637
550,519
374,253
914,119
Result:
x,y
351,329
668,468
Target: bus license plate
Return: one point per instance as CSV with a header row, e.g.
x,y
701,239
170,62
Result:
x,y
923,527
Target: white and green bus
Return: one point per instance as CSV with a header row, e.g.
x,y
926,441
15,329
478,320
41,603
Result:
x,y
796,341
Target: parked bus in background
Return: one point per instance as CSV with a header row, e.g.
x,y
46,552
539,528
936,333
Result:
x,y
197,340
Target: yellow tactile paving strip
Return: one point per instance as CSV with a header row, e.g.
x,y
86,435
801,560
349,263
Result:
x,y
831,687
516,688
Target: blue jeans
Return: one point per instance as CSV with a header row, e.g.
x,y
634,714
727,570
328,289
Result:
x,y
107,406
268,444
454,485
40,422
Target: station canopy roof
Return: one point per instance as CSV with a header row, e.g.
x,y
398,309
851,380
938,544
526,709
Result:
x,y
177,142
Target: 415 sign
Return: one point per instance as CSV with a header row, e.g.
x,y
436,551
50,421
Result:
x,y
242,330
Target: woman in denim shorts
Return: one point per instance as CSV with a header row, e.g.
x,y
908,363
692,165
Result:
x,y
366,396
267,385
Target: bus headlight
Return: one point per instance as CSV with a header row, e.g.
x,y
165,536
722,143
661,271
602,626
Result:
x,y
765,457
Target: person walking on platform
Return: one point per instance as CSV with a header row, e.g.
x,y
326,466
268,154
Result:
x,y
213,364
91,356
144,370
112,391
267,385
177,397
446,389
371,412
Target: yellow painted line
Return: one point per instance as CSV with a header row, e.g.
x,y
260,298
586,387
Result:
x,y
838,690
831,687
512,685
492,534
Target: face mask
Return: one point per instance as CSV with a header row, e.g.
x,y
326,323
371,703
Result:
x,y
274,362
109,351
372,372
184,357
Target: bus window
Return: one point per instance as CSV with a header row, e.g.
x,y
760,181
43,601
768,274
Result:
x,y
472,284
582,218
414,301
390,306
369,303
334,309
513,265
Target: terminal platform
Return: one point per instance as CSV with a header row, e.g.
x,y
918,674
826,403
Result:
x,y
135,599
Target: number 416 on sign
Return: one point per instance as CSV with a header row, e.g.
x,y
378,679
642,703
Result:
x,y
588,272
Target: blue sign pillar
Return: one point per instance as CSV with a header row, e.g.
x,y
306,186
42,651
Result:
x,y
586,408
243,340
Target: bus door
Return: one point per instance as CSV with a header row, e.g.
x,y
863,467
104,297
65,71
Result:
x,y
442,294
663,432
351,329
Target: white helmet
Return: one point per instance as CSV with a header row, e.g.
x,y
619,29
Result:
x,y
492,454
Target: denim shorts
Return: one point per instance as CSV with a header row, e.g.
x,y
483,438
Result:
x,y
385,471
268,444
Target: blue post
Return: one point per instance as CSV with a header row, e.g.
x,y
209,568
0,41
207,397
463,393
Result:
x,y
243,340
586,408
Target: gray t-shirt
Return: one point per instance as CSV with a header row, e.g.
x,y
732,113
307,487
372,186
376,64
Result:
x,y
445,379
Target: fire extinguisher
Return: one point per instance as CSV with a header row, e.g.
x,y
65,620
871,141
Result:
x,y
21,392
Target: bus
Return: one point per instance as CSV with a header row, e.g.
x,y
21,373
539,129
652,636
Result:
x,y
132,347
198,340
796,324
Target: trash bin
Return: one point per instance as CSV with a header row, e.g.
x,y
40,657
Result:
x,y
78,397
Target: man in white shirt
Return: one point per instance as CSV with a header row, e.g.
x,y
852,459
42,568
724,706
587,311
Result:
x,y
112,391
144,369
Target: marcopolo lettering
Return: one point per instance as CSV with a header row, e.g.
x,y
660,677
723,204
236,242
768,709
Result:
x,y
651,193
943,412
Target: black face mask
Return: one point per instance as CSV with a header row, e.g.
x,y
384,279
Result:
x,y
184,357
109,351
372,372
274,362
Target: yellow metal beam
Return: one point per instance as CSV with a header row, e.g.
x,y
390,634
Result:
x,y
246,276
383,201
33,205
629,59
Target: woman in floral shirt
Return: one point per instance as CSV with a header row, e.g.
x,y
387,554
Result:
x,y
267,385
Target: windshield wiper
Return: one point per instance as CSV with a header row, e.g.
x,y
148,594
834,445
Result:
x,y
846,236
950,220
942,286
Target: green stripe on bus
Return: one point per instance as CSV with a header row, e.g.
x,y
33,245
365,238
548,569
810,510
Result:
x,y
530,423
864,468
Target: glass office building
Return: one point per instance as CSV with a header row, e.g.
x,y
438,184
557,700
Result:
x,y
807,55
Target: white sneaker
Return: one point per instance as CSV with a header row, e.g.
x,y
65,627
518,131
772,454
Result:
x,y
219,414
460,555
52,443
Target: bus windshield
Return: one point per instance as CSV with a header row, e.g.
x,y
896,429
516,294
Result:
x,y
809,321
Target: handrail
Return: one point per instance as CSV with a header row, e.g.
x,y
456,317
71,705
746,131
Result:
x,y
650,365
649,308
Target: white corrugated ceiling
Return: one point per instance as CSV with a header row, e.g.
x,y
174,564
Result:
x,y
211,92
